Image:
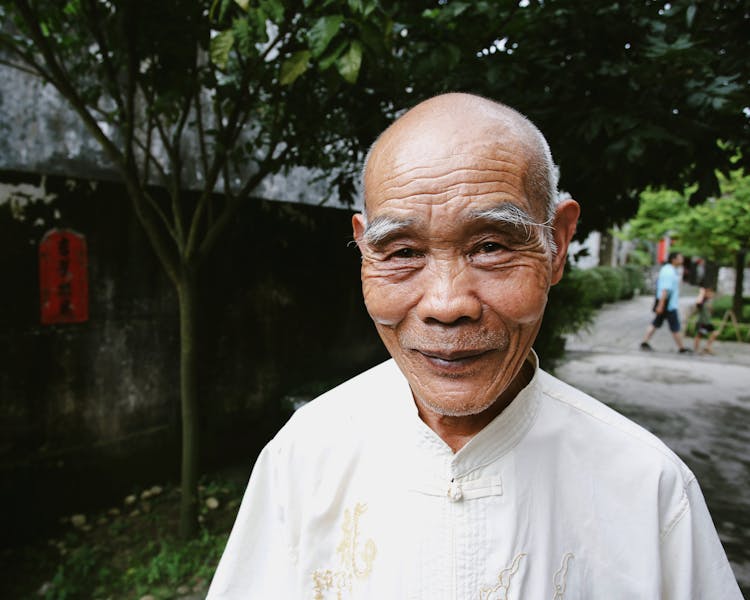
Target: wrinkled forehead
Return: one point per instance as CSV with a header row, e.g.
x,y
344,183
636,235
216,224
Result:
x,y
434,160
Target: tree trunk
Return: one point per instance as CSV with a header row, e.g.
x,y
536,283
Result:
x,y
739,279
711,275
606,249
188,299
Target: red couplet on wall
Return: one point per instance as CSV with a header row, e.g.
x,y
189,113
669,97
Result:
x,y
63,277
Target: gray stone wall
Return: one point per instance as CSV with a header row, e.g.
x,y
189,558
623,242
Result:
x,y
40,134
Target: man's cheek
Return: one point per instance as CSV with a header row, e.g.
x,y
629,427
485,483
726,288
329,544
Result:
x,y
522,304
386,304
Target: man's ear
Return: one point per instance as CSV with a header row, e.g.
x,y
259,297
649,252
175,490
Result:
x,y
564,226
358,227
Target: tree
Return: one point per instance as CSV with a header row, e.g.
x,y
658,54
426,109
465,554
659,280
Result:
x,y
721,228
718,229
629,94
657,216
215,96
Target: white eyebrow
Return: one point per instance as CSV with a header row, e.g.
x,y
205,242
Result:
x,y
517,217
508,213
382,227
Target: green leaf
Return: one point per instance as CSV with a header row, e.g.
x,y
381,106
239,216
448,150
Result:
x,y
690,15
322,33
273,8
222,5
326,61
243,4
369,6
356,6
294,66
374,37
242,35
257,21
72,8
220,47
349,63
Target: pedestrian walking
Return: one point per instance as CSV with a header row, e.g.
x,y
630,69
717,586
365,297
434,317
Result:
x,y
666,303
704,327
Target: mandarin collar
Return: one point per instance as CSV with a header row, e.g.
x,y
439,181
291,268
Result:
x,y
503,433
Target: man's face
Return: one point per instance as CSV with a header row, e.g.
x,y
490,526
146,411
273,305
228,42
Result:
x,y
456,292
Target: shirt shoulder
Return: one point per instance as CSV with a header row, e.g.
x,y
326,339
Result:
x,y
627,458
345,410
600,424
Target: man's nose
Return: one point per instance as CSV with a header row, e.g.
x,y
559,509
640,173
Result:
x,y
448,294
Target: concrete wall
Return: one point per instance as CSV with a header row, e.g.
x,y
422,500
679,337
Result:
x,y
727,277
39,133
87,410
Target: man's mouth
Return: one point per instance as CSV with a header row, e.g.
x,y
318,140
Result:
x,y
453,360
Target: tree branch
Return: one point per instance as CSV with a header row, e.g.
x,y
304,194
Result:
x,y
111,74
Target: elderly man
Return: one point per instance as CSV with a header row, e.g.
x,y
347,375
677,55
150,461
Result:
x,y
459,470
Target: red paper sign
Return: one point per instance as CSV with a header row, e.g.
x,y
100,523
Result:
x,y
63,277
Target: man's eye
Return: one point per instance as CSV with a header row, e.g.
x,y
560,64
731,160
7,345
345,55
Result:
x,y
488,247
405,253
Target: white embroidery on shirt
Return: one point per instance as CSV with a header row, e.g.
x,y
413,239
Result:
x,y
560,578
356,562
501,591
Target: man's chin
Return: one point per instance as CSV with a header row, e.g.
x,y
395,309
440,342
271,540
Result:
x,y
460,405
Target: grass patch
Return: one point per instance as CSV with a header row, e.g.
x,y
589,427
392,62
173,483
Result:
x,y
127,552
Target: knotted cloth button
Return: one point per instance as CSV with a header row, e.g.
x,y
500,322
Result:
x,y
454,492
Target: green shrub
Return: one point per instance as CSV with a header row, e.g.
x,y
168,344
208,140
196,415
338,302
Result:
x,y
567,311
724,303
606,284
614,280
636,278
594,286
573,301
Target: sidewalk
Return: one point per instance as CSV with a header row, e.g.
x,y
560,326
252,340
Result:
x,y
620,327
698,405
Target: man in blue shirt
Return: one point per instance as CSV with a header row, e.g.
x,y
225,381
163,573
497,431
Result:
x,y
667,302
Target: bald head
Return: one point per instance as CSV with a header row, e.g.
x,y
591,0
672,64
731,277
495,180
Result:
x,y
449,125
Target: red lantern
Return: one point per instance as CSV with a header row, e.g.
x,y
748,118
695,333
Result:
x,y
63,277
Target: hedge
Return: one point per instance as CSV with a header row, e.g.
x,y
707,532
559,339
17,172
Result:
x,y
573,301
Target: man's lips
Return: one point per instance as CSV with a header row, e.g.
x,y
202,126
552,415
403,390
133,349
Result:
x,y
452,357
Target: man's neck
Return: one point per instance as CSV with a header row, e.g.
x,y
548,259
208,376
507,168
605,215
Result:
x,y
458,431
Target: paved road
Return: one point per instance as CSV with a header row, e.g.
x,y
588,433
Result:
x,y
698,405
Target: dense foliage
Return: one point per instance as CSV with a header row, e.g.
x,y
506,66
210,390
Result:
x,y
718,229
630,94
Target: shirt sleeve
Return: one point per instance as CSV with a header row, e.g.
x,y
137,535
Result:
x,y
257,560
694,564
